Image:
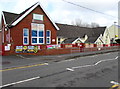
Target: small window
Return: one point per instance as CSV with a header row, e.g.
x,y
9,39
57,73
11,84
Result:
x,y
25,32
34,40
40,33
25,36
25,40
48,34
38,17
48,40
59,41
34,33
41,40
48,37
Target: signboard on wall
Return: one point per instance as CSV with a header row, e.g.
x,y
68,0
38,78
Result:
x,y
19,49
50,46
27,49
53,46
7,47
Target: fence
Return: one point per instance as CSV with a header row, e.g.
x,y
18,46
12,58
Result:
x,y
57,49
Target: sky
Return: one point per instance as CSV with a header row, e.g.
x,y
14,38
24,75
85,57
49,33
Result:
x,y
63,12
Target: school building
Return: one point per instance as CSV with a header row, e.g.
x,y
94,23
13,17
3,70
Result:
x,y
32,32
27,31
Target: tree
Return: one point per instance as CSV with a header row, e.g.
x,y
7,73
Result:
x,y
79,22
93,25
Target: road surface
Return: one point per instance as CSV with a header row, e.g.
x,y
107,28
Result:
x,y
89,71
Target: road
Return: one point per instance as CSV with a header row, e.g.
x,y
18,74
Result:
x,y
89,71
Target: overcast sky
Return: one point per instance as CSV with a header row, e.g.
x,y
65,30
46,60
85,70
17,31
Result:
x,y
66,13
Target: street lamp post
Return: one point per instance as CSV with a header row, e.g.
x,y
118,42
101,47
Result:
x,y
114,30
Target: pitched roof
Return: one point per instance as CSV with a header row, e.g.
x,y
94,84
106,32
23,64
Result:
x,y
71,31
9,17
97,31
91,39
69,40
13,18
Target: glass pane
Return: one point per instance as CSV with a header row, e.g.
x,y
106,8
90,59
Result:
x,y
48,40
48,33
40,40
34,33
40,26
25,40
40,33
34,40
34,26
25,32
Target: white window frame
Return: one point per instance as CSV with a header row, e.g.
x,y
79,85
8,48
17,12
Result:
x,y
26,37
48,37
38,35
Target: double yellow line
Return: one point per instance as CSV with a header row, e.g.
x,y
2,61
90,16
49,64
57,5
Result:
x,y
22,67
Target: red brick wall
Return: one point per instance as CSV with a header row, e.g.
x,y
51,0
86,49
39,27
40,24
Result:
x,y
17,31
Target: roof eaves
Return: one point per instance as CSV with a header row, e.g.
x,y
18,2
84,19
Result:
x,y
4,18
77,39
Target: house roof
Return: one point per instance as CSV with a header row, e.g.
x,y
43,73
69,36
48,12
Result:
x,y
13,18
91,39
69,40
9,17
71,31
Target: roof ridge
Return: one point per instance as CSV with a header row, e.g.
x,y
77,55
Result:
x,y
28,8
81,26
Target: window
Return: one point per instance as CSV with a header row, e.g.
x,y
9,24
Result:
x,y
25,36
34,33
59,41
37,17
37,33
48,37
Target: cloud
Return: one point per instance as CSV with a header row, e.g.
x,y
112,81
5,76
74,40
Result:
x,y
63,12
66,13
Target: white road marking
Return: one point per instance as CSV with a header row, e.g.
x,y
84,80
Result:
x,y
10,84
46,63
116,57
82,66
113,82
72,69
69,69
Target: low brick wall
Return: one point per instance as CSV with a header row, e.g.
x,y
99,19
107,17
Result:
x,y
58,51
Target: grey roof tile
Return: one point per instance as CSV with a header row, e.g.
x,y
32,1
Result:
x,y
69,40
9,17
71,31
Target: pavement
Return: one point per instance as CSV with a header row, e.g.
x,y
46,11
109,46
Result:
x,y
25,60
